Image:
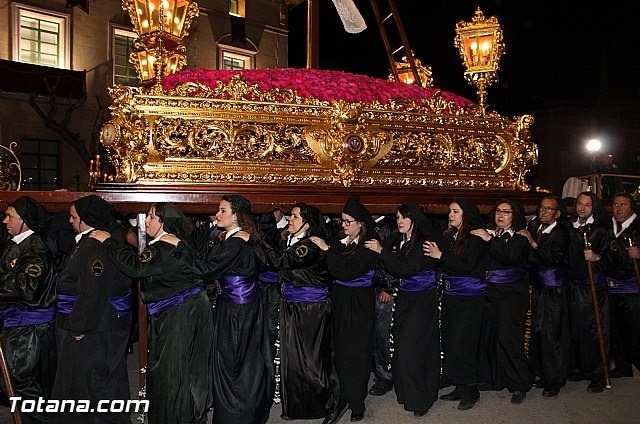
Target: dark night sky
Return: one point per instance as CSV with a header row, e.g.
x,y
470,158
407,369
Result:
x,y
564,53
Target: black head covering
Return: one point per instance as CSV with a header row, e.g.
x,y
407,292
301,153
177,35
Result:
x,y
358,211
470,211
312,216
95,212
32,213
238,202
177,223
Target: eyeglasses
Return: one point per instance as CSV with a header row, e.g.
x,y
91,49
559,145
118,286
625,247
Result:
x,y
503,212
547,209
347,222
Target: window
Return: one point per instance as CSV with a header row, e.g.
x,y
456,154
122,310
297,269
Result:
x,y
123,71
236,8
40,36
39,161
235,61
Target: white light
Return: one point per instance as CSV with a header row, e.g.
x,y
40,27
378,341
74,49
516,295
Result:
x,y
593,145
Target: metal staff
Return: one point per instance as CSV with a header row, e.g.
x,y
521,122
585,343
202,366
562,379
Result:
x,y
17,418
596,312
635,262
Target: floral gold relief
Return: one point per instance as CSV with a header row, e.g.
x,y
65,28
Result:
x,y
238,132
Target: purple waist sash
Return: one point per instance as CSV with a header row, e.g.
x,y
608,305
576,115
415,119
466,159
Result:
x,y
16,317
304,294
463,286
509,275
238,289
122,304
268,276
423,281
549,278
170,302
599,279
365,280
626,286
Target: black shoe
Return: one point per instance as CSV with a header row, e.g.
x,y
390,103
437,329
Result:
x,y
456,394
550,392
518,397
285,417
420,412
616,373
538,383
337,413
357,416
380,387
596,386
575,376
469,400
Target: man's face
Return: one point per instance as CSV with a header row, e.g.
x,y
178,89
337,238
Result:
x,y
75,220
15,225
621,208
584,206
548,211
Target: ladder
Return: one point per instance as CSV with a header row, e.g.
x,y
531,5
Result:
x,y
385,22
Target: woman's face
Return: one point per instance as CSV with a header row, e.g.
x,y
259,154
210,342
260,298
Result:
x,y
154,225
405,225
225,216
296,223
504,216
455,216
350,226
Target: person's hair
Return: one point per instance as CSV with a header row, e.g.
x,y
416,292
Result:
x,y
597,210
416,235
362,235
159,209
463,232
518,222
246,220
634,205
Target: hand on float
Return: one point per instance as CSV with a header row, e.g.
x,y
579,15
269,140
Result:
x,y
100,235
170,238
482,233
374,245
431,249
320,243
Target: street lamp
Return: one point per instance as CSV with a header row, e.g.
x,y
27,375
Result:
x,y
594,145
480,45
405,74
161,26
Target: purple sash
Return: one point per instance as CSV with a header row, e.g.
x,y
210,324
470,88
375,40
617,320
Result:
x,y
16,317
238,289
122,304
423,281
509,275
170,302
549,278
268,276
365,280
463,286
304,294
599,279
626,286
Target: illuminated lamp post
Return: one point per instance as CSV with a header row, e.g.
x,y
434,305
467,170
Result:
x,y
405,74
480,45
161,26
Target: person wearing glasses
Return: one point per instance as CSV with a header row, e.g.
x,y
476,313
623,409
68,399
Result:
x,y
461,258
416,357
550,339
503,361
353,302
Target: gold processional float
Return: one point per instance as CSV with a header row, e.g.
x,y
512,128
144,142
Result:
x,y
306,128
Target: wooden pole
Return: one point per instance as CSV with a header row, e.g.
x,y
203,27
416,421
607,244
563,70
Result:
x,y
596,312
313,31
635,262
142,314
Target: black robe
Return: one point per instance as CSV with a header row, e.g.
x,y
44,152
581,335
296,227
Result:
x,y
27,283
309,384
352,319
95,367
242,358
503,361
178,378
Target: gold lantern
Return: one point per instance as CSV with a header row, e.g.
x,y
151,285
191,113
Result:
x,y
405,74
480,45
161,26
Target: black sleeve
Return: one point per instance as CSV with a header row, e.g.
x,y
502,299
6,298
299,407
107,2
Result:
x,y
514,252
147,264
350,265
225,256
467,261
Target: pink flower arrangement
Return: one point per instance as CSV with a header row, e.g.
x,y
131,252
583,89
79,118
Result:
x,y
323,85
